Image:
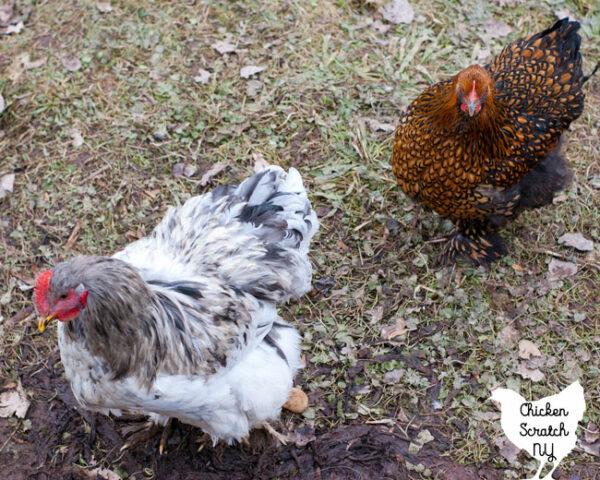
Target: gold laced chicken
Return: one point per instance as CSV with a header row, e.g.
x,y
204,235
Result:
x,y
484,145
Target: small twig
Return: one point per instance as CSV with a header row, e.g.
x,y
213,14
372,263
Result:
x,y
94,174
364,224
8,439
565,258
437,240
74,235
17,317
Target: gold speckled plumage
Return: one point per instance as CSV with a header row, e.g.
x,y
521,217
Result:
x,y
476,168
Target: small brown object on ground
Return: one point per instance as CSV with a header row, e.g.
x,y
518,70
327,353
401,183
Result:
x,y
297,402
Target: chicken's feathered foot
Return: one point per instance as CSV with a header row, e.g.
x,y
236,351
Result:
x,y
477,245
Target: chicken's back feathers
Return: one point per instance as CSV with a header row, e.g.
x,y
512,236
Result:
x,y
465,167
254,236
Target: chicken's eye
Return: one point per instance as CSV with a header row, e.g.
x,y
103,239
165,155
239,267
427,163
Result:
x,y
63,296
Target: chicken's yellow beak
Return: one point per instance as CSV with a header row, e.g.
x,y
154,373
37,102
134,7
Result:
x,y
42,322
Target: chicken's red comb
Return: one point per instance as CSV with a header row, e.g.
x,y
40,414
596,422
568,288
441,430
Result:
x,y
40,292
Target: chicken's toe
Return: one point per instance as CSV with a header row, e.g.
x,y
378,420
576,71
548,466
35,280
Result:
x,y
280,437
140,433
164,436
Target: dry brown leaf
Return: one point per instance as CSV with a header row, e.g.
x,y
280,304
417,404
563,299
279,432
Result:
x,y
507,449
533,374
14,402
558,270
497,28
211,172
508,335
376,315
253,87
391,331
376,125
72,64
153,193
527,349
77,138
577,241
102,473
398,11
189,170
104,7
259,161
564,13
393,376
302,436
483,55
342,246
590,448
559,199
223,47
379,26
27,65
592,433
249,70
14,28
202,76
7,12
7,183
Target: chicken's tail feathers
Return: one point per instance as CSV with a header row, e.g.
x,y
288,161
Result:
x,y
278,206
563,34
276,219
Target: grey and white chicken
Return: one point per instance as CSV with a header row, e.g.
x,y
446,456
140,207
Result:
x,y
183,323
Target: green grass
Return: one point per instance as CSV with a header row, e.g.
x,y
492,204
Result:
x,y
327,70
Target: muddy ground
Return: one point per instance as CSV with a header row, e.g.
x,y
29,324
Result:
x,y
64,442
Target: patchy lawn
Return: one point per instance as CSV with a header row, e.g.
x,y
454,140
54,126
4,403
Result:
x,y
112,116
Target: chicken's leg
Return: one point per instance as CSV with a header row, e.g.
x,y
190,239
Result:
x,y
281,438
164,436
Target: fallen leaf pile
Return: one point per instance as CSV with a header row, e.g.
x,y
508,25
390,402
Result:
x,y
14,402
398,11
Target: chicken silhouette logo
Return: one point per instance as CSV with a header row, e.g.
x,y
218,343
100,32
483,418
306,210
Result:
x,y
545,428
